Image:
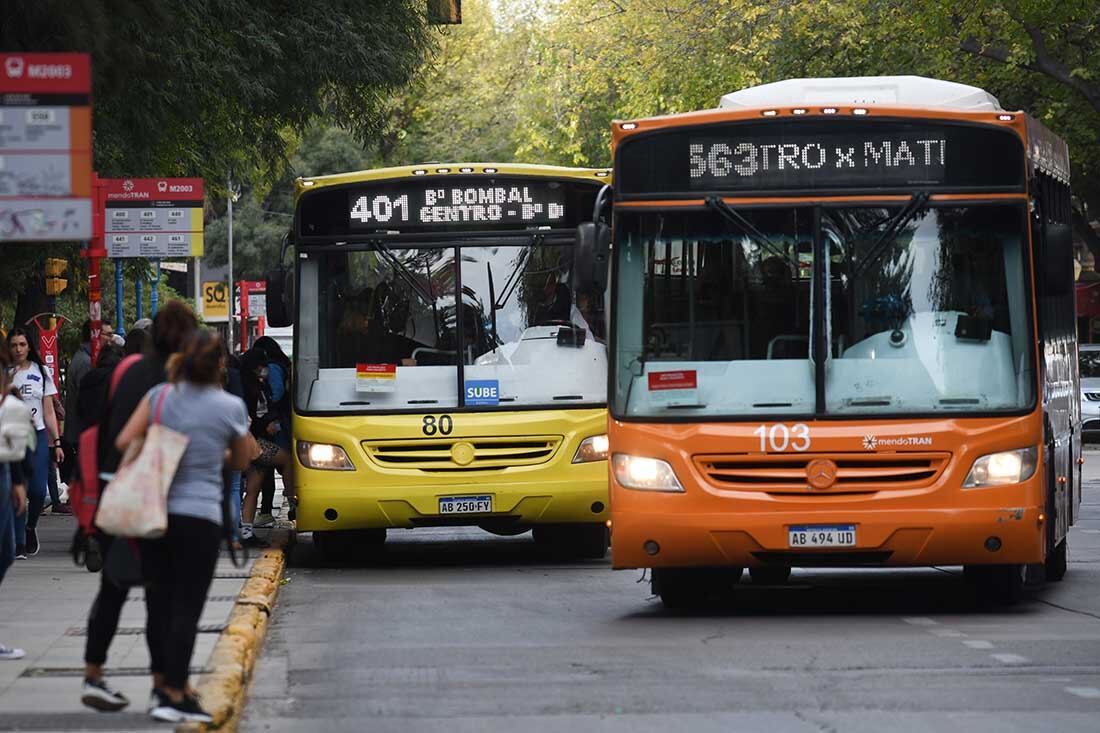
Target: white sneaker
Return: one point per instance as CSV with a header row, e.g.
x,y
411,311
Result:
x,y
97,695
9,652
264,520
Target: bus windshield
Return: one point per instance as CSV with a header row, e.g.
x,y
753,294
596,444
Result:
x,y
396,328
925,311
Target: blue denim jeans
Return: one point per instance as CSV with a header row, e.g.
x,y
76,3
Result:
x,y
235,504
36,489
7,521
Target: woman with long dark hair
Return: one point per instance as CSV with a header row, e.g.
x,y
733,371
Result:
x,y
178,567
277,382
34,383
266,425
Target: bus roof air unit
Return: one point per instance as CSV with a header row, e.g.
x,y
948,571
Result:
x,y
908,91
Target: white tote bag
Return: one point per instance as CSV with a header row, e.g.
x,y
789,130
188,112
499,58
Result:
x,y
135,502
16,429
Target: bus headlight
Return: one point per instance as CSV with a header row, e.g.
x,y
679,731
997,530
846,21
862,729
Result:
x,y
591,449
1002,469
323,456
646,474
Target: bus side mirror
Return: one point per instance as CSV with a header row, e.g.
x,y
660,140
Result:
x,y
590,257
280,297
1057,259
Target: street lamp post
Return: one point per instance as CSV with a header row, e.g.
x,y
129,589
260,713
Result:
x,y
230,197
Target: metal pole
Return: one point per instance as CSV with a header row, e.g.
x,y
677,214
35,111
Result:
x,y
118,295
154,284
229,196
139,292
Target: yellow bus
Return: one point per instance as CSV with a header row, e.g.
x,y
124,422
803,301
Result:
x,y
446,371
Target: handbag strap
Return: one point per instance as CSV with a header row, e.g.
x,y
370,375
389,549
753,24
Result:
x,y
160,403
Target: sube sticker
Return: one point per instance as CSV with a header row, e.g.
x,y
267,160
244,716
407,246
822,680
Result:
x,y
483,392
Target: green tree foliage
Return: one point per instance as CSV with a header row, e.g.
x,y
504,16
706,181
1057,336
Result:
x,y
205,86
544,86
263,214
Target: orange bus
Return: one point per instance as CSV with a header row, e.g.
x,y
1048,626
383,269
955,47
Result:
x,y
842,334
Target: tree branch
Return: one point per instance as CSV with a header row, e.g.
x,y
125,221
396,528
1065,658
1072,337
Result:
x,y
1044,63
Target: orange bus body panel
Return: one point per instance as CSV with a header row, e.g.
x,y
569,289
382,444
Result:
x,y
928,522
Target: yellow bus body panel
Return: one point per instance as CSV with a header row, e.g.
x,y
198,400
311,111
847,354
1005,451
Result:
x,y
525,464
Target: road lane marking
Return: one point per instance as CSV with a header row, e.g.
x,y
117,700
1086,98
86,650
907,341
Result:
x,y
947,633
978,644
920,621
1010,658
1091,531
1089,693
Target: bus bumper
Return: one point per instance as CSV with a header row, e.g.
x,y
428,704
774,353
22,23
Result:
x,y
576,494
884,538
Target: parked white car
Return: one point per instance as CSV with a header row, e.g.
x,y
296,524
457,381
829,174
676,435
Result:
x,y
1089,355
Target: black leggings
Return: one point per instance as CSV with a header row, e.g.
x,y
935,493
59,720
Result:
x,y
106,610
178,569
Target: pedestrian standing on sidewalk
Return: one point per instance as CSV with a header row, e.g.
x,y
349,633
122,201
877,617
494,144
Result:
x,y
173,325
79,365
179,567
13,492
35,385
278,383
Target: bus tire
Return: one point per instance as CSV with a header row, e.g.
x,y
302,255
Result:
x,y
346,544
770,574
1000,584
1057,561
688,588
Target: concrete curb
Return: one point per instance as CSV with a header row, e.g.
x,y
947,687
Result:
x,y
231,662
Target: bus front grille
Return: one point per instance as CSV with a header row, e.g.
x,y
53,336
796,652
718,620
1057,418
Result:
x,y
856,473
463,454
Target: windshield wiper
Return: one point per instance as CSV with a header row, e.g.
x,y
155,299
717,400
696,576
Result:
x,y
514,278
894,226
758,237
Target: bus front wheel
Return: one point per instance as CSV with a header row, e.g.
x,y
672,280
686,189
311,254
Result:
x,y
693,587
1002,584
1057,561
345,544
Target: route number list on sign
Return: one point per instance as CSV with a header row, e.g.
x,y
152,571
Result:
x,y
45,147
153,217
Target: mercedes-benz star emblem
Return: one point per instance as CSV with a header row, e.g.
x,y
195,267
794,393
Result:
x,y
821,473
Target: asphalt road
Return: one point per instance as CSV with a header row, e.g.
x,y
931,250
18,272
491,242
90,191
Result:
x,y
457,630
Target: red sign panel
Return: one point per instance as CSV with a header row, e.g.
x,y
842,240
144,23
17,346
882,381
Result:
x,y
681,379
153,189
45,147
46,73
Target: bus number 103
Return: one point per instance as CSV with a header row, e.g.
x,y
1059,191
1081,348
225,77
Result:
x,y
380,208
780,438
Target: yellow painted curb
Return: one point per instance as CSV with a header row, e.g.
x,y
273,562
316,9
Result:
x,y
234,655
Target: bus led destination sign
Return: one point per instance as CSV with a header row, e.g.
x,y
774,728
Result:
x,y
821,155
460,202
908,160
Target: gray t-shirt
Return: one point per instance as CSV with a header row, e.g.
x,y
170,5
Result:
x,y
212,418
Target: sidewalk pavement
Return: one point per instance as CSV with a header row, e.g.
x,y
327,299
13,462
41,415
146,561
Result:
x,y
44,604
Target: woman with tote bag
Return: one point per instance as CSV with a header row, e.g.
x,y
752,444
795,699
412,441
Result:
x,y
179,566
